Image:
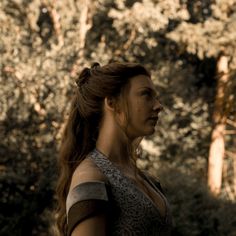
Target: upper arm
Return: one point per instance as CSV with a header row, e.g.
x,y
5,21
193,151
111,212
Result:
x,y
88,201
93,226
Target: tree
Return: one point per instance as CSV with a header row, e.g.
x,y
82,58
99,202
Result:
x,y
215,37
45,43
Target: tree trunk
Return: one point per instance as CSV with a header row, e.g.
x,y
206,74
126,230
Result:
x,y
234,161
217,146
86,13
85,23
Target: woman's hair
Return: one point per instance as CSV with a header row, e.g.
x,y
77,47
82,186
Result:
x,y
82,127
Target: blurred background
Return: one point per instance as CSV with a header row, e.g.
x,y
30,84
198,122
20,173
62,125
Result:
x,y
189,47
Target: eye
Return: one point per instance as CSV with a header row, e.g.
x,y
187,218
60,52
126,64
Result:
x,y
146,93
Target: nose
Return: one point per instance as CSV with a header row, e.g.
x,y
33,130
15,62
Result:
x,y
157,106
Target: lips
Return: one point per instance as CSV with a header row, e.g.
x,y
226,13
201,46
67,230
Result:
x,y
153,118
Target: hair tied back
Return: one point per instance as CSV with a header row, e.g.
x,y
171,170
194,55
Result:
x,y
86,74
95,65
83,77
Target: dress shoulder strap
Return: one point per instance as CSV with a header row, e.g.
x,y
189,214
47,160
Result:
x,y
105,165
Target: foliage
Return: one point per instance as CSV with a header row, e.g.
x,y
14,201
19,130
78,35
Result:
x,y
210,38
41,50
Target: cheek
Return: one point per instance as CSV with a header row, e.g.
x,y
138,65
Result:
x,y
138,112
142,106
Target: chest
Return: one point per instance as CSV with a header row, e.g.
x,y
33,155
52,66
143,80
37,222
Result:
x,y
133,211
134,198
150,191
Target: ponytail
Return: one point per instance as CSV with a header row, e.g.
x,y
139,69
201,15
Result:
x,y
77,141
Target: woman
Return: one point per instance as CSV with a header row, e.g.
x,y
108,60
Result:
x,y
100,190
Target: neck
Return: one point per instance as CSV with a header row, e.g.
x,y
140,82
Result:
x,y
114,144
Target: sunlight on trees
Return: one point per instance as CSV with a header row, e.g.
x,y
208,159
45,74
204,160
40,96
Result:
x,y
45,43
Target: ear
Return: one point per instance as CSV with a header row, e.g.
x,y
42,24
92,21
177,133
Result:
x,y
110,104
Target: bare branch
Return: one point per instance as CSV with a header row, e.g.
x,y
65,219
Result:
x,y
230,122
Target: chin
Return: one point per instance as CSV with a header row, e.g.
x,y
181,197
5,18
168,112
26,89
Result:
x,y
150,131
146,131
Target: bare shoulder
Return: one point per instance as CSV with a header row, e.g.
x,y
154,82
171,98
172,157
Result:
x,y
85,172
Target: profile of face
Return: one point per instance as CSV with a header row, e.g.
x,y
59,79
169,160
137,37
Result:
x,y
143,107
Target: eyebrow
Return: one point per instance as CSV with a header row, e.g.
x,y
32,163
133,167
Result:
x,y
148,88
151,90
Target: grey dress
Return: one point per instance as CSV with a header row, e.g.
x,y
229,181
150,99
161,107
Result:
x,y
130,212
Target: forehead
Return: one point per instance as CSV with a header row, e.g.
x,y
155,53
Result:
x,y
141,81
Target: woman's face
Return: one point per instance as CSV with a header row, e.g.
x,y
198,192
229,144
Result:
x,y
143,107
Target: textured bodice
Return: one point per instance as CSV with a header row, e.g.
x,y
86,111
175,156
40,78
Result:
x,y
132,212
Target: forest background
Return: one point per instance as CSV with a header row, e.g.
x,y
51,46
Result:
x,y
189,47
